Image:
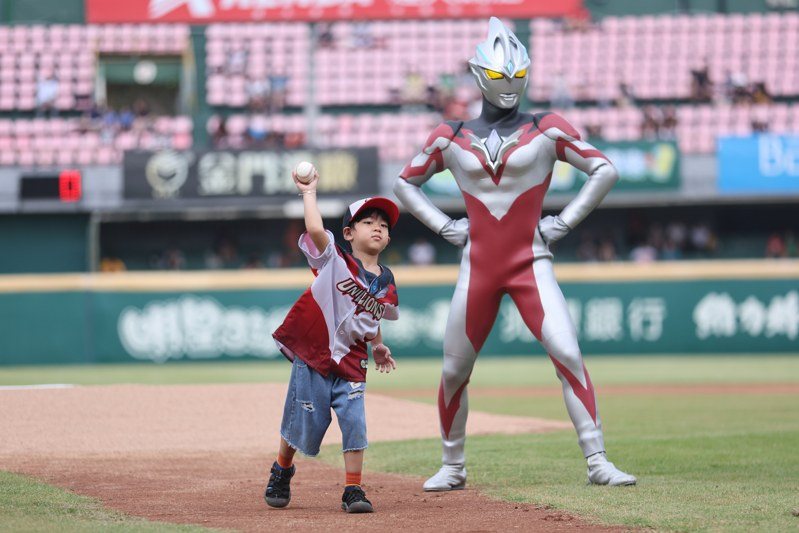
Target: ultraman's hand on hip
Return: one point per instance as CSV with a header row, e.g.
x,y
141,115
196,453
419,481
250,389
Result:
x,y
456,231
553,229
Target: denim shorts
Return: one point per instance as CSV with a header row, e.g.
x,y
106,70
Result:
x,y
306,415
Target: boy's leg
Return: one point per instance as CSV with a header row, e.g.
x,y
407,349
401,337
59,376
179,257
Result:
x,y
348,402
285,455
353,466
306,416
278,490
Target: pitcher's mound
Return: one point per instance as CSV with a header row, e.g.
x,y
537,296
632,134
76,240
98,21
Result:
x,y
200,454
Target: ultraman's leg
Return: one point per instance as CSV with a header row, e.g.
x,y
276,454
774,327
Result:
x,y
459,358
559,338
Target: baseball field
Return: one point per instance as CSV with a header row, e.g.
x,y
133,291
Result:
x,y
183,447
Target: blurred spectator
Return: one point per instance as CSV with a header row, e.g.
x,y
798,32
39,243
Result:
x,y
586,250
217,128
626,95
46,94
593,132
224,253
703,239
257,93
422,252
112,264
760,94
236,60
644,252
607,250
278,88
141,108
759,126
561,97
456,110
171,259
668,125
677,233
791,247
109,126
253,261
292,140
325,37
257,130
739,88
775,247
362,35
670,251
701,85
126,118
650,124
414,89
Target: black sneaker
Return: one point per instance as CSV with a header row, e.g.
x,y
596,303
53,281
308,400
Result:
x,y
354,500
278,491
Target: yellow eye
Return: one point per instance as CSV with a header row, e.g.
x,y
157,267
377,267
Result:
x,y
493,74
522,73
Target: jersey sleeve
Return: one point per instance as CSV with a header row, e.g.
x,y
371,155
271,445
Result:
x,y
317,259
391,300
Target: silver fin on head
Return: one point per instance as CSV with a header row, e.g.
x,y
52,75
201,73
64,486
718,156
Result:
x,y
501,52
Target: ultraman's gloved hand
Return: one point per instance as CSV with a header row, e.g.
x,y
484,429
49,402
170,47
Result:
x,y
456,231
553,229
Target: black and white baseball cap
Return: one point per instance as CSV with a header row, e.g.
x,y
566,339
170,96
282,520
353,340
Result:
x,y
378,202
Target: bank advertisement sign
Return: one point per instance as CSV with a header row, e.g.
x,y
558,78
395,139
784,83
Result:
x,y
643,167
679,317
764,164
170,176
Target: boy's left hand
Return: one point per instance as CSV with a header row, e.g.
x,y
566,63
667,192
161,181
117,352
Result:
x,y
383,360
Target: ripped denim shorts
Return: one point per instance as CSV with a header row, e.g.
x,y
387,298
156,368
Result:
x,y
306,415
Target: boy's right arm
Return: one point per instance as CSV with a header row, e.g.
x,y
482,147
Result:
x,y
313,219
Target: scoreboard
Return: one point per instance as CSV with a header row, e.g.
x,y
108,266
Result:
x,y
65,186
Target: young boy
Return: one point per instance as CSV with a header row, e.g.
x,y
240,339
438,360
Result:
x,y
325,336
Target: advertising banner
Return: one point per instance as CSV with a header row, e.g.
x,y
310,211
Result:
x,y
764,164
669,317
643,166
171,176
210,11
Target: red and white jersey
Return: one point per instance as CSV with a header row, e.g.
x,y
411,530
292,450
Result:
x,y
330,324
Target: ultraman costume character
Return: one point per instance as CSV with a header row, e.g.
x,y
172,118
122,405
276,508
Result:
x,y
502,162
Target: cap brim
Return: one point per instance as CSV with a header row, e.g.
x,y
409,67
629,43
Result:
x,y
384,204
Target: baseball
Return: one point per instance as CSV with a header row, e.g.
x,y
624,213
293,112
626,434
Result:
x,y
305,172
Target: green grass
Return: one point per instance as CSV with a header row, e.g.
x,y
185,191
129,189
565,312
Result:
x,y
718,462
704,462
425,373
28,505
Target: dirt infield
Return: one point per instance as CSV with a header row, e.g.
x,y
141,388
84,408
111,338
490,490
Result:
x,y
200,455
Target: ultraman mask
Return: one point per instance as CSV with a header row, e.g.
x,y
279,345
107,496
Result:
x,y
500,66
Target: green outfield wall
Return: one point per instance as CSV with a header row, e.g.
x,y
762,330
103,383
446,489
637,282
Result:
x,y
680,308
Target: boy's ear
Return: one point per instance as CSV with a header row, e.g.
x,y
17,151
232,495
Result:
x,y
348,233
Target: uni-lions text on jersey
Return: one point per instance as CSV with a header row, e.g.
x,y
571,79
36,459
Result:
x,y
329,325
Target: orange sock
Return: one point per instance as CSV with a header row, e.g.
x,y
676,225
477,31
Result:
x,y
353,478
283,461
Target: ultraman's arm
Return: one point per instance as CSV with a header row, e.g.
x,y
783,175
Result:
x,y
602,175
424,165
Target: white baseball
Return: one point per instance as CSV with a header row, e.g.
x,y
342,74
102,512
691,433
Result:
x,y
305,172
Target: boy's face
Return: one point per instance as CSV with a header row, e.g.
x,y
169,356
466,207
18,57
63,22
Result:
x,y
368,235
